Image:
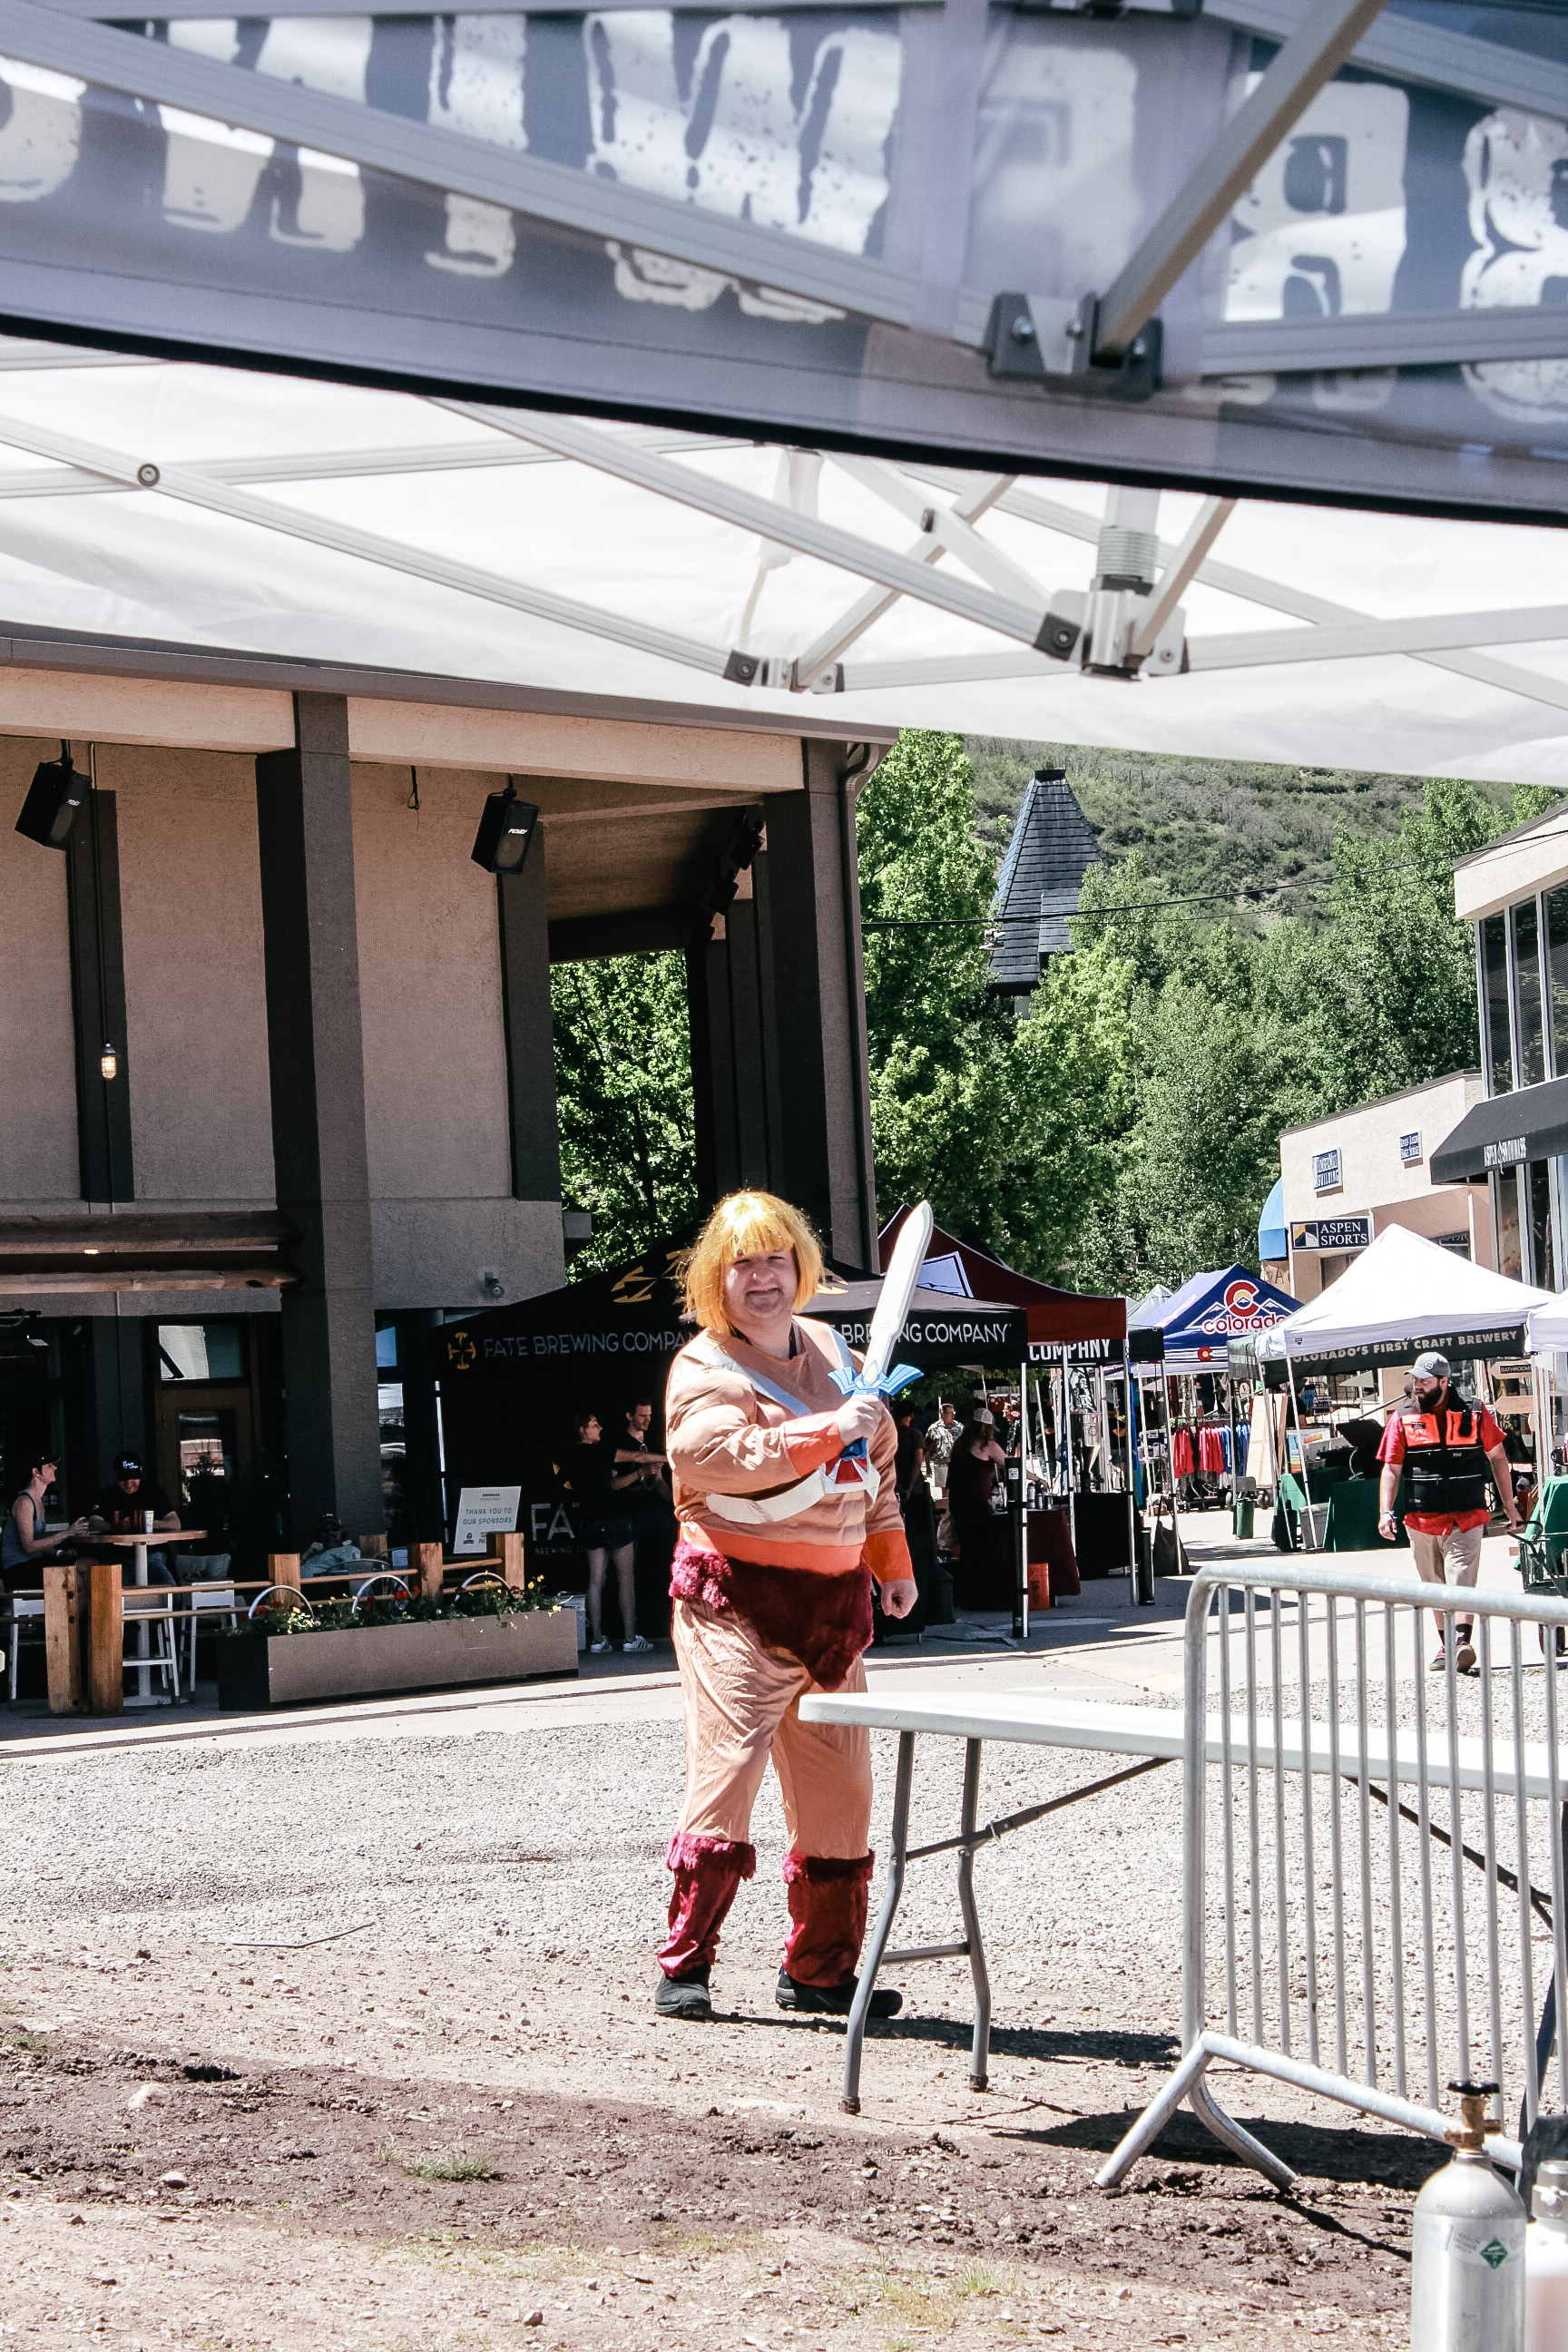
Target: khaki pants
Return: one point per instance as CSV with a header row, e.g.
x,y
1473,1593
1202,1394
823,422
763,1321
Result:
x,y
1453,1558
742,1707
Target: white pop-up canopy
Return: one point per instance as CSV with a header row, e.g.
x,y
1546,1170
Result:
x,y
1548,1327
193,506
1402,1295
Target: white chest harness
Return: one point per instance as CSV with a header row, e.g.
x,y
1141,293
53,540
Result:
x,y
758,1510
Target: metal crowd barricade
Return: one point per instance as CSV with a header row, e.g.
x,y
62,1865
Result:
x,y
1372,1853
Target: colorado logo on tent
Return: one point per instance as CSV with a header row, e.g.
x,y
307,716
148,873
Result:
x,y
1242,1310
1189,1330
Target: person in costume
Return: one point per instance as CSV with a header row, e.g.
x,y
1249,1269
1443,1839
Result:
x,y
781,1533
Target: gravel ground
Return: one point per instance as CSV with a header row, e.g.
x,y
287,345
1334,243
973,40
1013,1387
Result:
x,y
553,1844
464,2115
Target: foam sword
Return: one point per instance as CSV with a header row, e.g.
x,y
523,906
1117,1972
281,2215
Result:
x,y
875,1377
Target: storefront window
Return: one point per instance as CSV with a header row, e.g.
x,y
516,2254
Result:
x,y
1505,1224
1494,995
200,1351
1543,1254
1528,1034
1557,974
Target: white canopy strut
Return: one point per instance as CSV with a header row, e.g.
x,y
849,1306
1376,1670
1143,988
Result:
x,y
195,506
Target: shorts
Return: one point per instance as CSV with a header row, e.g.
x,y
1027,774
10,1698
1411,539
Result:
x,y
607,1535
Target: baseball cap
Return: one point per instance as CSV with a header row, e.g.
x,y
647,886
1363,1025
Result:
x,y
986,1420
1431,1367
128,1466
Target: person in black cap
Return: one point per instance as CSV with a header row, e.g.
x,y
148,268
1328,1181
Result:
x,y
1444,1446
120,1511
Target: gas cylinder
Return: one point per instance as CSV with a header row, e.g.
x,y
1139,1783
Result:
x,y
1546,2261
1467,2268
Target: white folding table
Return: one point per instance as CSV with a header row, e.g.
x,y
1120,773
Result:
x,y
1156,1735
1018,1719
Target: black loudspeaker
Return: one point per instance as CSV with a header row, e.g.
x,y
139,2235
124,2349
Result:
x,y
53,796
506,828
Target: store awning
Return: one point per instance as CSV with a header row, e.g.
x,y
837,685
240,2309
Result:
x,y
1529,1124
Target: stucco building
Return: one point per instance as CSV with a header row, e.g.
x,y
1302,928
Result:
x,y
276,1053
1344,1178
1515,1142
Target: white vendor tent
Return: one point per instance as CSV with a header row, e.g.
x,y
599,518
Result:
x,y
1548,1327
254,518
1400,1297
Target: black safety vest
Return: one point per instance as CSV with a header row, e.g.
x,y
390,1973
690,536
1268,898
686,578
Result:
x,y
1445,1468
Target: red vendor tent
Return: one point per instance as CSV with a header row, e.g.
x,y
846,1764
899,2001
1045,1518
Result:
x,y
1090,1326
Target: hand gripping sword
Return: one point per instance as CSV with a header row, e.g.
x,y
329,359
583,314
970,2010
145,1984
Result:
x,y
875,1377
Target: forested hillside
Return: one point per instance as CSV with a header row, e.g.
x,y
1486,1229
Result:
x,y
1202,825
1127,1129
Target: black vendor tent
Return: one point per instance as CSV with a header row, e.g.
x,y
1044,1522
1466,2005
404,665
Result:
x,y
513,1381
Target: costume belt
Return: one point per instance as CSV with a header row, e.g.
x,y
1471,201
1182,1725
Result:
x,y
828,1478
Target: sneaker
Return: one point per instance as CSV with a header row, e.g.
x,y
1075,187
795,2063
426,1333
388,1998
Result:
x,y
634,1647
597,1649
1465,1656
684,1996
1440,1659
833,2000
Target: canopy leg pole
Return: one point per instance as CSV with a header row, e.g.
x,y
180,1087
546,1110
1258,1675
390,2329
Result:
x,y
1301,1442
1171,1462
1067,1453
1235,1470
1018,1529
1131,1479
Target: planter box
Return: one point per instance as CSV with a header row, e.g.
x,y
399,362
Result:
x,y
289,1669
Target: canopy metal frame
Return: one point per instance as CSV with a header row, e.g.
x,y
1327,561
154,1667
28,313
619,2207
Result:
x,y
953,566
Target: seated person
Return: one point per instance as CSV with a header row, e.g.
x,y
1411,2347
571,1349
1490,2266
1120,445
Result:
x,y
25,1544
330,1551
120,1511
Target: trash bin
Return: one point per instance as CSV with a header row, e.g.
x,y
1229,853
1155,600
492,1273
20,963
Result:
x,y
1241,1518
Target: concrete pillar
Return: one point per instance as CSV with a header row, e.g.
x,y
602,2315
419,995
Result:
x,y
530,1044
316,1062
116,1415
422,1458
97,1000
737,1106
818,1006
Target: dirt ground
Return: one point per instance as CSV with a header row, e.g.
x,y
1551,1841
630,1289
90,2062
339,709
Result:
x,y
240,2149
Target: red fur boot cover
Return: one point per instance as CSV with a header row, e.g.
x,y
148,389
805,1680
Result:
x,y
708,1871
827,1917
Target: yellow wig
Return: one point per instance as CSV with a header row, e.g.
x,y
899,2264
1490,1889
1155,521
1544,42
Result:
x,y
745,1224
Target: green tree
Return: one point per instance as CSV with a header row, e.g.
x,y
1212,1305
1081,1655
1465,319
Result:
x,y
623,1076
939,1042
1009,1127
1394,1002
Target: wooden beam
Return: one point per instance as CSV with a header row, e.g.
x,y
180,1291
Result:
x,y
106,1640
507,1551
62,1637
429,1562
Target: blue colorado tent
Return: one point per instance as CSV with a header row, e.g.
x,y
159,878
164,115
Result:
x,y
1189,1332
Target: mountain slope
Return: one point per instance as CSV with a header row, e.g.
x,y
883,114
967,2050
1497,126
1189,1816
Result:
x,y
1220,826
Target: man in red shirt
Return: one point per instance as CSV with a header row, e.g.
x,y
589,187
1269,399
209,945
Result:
x,y
1445,1448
